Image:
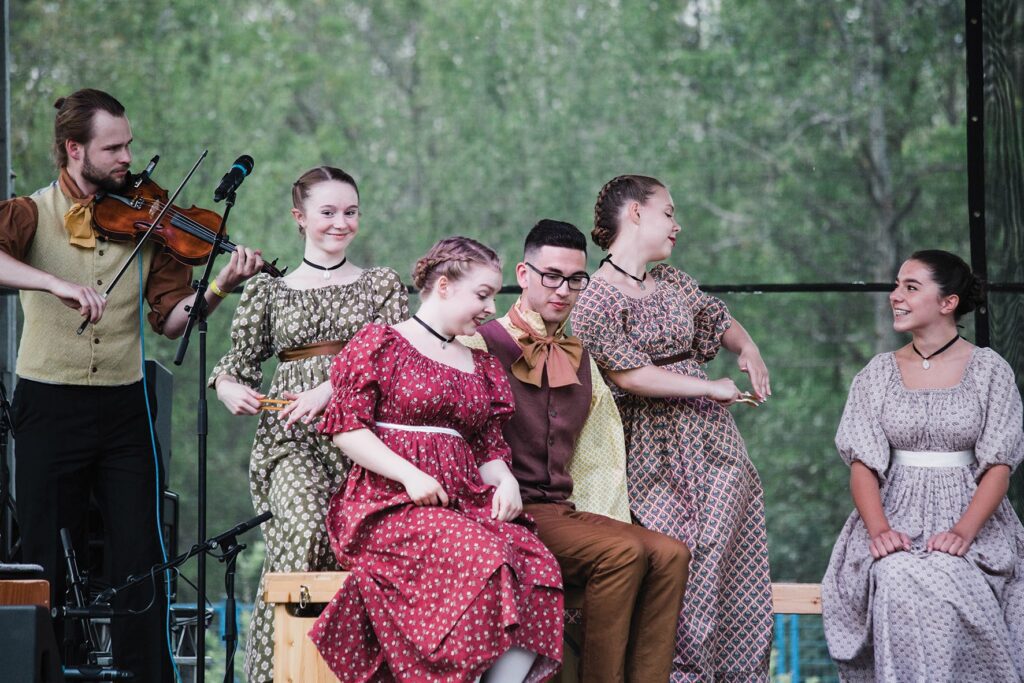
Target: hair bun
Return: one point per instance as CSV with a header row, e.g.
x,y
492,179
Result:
x,y
421,271
976,292
59,104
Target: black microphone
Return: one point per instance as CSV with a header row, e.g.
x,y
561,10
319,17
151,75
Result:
x,y
146,172
234,177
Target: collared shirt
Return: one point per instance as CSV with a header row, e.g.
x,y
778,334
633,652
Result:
x,y
598,465
168,283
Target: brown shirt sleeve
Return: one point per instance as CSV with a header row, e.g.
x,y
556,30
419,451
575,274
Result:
x,y
18,219
169,282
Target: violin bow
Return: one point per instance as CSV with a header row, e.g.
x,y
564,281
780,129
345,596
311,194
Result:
x,y
145,236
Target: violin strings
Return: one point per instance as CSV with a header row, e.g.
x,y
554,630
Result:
x,y
192,227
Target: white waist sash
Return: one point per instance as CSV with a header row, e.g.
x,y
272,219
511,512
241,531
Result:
x,y
420,428
932,458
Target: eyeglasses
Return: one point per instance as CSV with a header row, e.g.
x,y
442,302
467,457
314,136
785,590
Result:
x,y
554,280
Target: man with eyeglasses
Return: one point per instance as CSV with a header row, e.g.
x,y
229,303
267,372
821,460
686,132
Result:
x,y
568,453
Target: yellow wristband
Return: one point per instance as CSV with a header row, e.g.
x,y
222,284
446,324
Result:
x,y
217,290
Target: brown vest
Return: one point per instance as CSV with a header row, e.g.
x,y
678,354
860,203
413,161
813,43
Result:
x,y
546,424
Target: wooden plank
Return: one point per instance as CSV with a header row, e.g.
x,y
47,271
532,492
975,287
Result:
x,y
321,586
25,592
296,659
796,598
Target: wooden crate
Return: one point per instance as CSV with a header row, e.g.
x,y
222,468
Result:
x,y
296,659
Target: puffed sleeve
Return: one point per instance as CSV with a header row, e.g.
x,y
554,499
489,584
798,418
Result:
x,y
711,316
602,324
391,298
251,342
18,219
487,443
167,284
860,436
356,375
1001,441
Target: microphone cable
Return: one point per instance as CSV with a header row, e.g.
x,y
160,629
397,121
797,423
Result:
x,y
200,613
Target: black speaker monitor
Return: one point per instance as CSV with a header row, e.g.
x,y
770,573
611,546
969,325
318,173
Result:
x,y
28,649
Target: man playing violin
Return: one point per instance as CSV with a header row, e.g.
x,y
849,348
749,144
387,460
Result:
x,y
80,419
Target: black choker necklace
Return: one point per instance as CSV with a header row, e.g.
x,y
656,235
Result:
x,y
924,363
640,280
327,269
445,341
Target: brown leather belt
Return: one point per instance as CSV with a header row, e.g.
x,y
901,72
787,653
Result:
x,y
327,348
669,360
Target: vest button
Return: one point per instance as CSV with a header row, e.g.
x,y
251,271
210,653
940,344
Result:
x,y
99,282
96,341
553,413
551,439
100,252
95,369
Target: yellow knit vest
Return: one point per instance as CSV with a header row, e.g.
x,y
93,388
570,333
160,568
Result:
x,y
107,353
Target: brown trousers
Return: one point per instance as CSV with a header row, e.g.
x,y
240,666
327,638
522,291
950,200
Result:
x,y
633,581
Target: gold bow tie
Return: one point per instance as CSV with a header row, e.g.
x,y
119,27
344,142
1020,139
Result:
x,y
560,356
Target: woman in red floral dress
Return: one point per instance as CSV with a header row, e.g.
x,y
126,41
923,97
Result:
x,y
449,582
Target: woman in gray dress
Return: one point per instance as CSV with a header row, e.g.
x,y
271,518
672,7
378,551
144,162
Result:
x,y
304,319
926,580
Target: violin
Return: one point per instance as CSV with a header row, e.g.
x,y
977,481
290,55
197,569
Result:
x,y
187,234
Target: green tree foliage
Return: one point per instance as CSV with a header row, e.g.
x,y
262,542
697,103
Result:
x,y
802,141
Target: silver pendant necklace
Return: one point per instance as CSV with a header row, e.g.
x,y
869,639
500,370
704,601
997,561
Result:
x,y
326,269
445,341
924,359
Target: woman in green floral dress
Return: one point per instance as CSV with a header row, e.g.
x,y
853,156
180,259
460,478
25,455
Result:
x,y
304,319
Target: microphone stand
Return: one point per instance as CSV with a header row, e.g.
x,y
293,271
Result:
x,y
197,316
230,548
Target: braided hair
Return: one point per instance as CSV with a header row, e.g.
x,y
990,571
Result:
x,y
615,194
452,257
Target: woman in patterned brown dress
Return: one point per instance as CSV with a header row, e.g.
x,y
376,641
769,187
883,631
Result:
x,y
688,471
304,319
926,580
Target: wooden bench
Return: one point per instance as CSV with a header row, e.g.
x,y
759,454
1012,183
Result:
x,y
297,660
796,598
787,598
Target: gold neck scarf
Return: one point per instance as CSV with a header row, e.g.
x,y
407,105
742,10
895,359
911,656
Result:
x,y
78,219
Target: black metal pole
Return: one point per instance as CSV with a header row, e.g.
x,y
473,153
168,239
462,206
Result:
x,y
197,315
8,515
976,159
231,550
202,430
